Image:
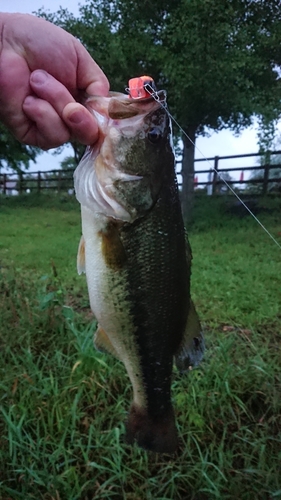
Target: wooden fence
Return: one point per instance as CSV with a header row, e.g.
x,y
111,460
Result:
x,y
62,180
27,182
215,173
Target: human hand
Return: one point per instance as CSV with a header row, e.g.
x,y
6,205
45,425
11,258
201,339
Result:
x,y
42,70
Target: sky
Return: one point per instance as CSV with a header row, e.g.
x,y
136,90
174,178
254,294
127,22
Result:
x,y
223,143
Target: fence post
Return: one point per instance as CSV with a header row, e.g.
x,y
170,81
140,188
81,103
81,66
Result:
x,y
210,183
265,179
20,182
4,183
59,182
38,182
216,167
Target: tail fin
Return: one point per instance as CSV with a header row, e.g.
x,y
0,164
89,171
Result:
x,y
156,434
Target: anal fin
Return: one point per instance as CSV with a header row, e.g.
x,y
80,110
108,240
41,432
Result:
x,y
192,348
103,344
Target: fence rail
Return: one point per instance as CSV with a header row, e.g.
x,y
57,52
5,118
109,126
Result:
x,y
62,180
216,173
25,182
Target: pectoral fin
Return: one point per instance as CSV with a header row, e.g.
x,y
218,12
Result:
x,y
81,256
103,344
192,347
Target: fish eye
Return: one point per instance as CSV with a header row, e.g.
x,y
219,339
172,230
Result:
x,y
154,135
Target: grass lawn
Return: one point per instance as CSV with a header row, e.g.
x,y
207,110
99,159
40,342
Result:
x,y
63,405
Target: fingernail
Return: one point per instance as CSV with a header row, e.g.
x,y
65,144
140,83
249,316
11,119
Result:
x,y
76,117
39,77
29,100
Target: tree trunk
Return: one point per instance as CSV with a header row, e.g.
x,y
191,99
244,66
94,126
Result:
x,y
187,198
79,150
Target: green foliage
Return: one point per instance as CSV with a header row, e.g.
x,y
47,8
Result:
x,y
274,173
13,154
215,58
68,163
266,136
63,405
79,150
219,61
216,63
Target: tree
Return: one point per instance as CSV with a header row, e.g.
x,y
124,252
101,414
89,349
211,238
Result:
x,y
220,57
273,175
218,60
13,154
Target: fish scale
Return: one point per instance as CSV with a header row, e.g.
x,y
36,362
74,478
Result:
x,y
160,302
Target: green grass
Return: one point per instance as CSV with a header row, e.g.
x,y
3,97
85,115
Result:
x,y
63,405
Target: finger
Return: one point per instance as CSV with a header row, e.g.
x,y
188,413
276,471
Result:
x,y
47,129
82,125
49,89
90,77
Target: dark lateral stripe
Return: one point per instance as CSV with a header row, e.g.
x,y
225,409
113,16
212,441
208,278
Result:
x,y
158,287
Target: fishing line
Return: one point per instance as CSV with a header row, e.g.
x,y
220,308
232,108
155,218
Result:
x,y
156,97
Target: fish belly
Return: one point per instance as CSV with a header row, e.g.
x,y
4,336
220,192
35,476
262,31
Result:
x,y
109,299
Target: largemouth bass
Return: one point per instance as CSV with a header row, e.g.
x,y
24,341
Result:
x,y
137,260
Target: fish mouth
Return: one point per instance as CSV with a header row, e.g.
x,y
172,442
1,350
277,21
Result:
x,y
160,95
118,106
128,107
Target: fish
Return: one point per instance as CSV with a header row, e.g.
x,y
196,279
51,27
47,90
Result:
x,y
137,259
